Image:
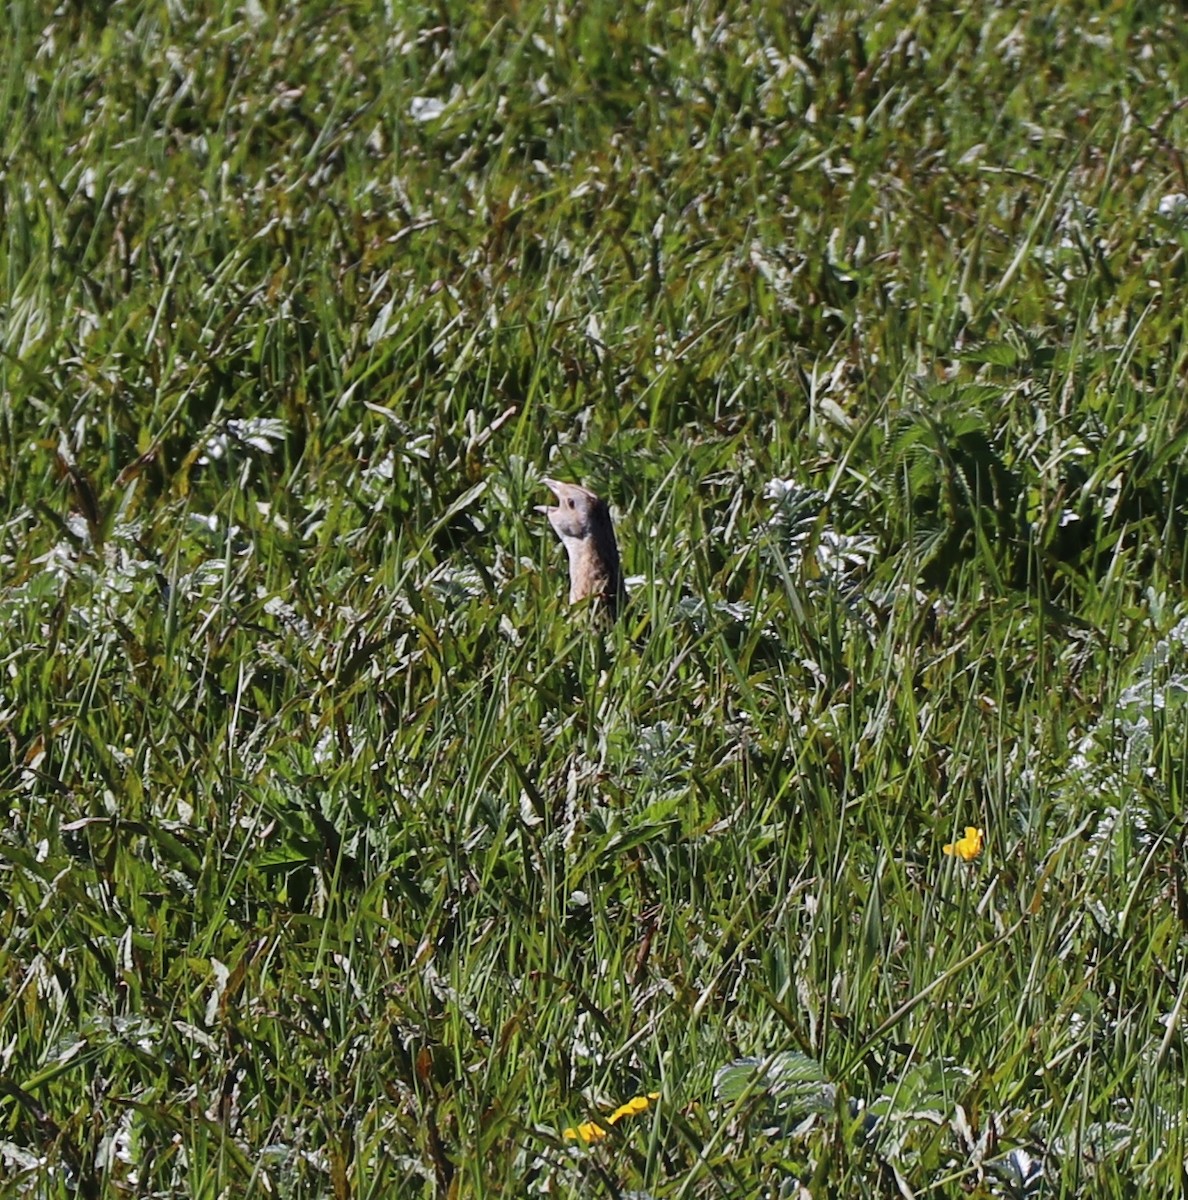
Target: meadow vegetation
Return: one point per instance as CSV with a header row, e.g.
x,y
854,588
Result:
x,y
338,859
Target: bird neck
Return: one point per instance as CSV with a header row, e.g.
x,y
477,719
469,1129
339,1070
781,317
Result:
x,y
593,566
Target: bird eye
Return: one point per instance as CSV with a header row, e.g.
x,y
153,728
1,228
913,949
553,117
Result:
x,y
571,502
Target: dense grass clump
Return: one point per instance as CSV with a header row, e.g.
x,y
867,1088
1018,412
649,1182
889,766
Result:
x,y
339,859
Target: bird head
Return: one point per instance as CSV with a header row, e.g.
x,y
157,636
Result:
x,y
578,514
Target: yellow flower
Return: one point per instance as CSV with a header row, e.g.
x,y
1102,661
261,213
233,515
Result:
x,y
969,847
588,1131
591,1131
633,1107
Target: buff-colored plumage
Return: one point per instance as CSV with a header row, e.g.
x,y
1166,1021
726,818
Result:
x,y
582,521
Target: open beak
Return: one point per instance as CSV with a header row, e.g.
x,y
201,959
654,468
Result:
x,y
552,485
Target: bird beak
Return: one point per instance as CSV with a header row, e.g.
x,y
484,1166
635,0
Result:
x,y
552,485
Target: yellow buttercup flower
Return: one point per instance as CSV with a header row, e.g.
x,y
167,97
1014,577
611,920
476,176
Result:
x,y
591,1131
633,1107
587,1131
969,847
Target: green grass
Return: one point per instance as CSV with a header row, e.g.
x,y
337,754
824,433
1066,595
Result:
x,y
339,859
